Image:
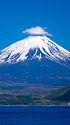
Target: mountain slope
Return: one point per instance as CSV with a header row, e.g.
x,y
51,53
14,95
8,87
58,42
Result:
x,y
62,94
35,47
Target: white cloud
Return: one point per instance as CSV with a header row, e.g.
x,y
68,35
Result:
x,y
37,31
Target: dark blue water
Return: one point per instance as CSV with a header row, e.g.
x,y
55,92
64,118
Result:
x,y
34,115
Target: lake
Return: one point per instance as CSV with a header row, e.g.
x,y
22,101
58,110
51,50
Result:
x,y
34,115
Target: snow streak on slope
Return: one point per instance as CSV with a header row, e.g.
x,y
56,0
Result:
x,y
34,47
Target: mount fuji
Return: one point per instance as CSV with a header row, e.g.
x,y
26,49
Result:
x,y
35,47
37,62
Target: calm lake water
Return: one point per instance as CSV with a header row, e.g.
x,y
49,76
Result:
x,y
34,115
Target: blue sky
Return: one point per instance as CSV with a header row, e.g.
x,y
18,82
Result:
x,y
19,15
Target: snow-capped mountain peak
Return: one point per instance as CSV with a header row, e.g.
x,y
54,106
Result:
x,y
34,47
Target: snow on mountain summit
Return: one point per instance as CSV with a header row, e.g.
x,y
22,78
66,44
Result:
x,y
34,47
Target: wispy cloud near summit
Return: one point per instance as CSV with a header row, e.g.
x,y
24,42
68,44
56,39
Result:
x,y
37,31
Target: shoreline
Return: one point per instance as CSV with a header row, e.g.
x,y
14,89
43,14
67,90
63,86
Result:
x,y
33,105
